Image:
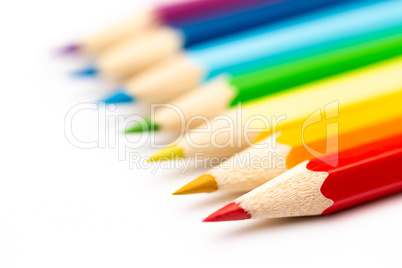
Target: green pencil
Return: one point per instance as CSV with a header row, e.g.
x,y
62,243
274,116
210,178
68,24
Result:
x,y
227,92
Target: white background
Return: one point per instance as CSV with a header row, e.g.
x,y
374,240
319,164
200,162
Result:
x,y
62,206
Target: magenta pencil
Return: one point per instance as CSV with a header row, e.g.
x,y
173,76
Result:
x,y
183,12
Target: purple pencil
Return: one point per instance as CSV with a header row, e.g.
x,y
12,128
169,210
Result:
x,y
172,14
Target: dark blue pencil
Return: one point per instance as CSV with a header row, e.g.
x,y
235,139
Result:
x,y
129,59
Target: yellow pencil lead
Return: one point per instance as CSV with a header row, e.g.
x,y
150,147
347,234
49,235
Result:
x,y
204,184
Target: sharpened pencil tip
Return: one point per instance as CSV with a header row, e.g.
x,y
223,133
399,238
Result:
x,y
203,184
90,71
143,127
230,212
118,97
69,50
170,153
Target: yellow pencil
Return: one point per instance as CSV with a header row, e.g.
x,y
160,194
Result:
x,y
353,87
352,126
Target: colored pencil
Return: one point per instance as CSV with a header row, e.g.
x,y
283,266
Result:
x,y
169,14
316,187
136,55
185,71
251,168
355,86
222,95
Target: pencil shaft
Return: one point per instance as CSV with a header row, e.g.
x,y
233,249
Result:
x,y
231,22
353,126
317,187
276,79
362,174
330,24
270,46
362,84
166,80
172,14
186,11
126,60
282,77
356,86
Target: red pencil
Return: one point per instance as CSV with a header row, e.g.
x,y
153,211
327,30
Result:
x,y
315,187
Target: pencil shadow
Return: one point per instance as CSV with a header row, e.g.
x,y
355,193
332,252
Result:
x,y
365,208
269,225
213,201
177,173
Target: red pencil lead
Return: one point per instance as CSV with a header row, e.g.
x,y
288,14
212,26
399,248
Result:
x,y
230,212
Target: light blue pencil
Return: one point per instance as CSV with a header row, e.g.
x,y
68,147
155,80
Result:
x,y
249,50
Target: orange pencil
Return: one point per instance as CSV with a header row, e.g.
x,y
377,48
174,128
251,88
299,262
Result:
x,y
317,187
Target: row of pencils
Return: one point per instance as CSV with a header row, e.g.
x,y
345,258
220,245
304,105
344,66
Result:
x,y
328,71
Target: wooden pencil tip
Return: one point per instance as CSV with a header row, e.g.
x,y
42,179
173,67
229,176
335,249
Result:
x,y
204,184
230,212
170,153
142,127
